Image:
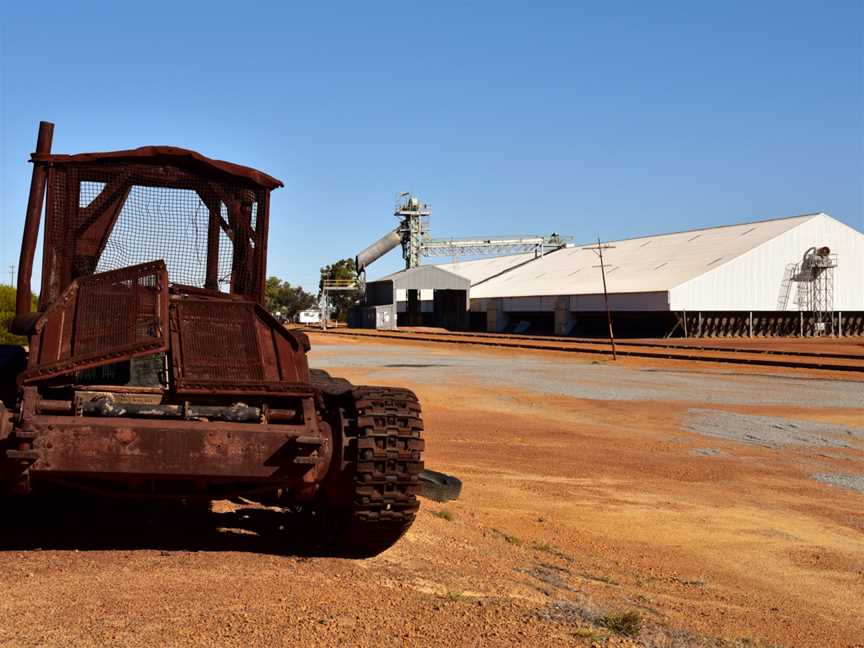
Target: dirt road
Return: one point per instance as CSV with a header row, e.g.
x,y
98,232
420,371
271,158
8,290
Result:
x,y
721,507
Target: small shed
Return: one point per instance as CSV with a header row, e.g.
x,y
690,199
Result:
x,y
450,297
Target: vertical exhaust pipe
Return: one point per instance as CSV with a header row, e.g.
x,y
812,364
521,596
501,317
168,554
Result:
x,y
31,227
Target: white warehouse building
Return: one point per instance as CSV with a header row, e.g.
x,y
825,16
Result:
x,y
733,280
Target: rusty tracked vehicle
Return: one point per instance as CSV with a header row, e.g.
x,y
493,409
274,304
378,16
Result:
x,y
154,370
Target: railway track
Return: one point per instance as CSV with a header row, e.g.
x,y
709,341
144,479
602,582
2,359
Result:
x,y
817,360
652,345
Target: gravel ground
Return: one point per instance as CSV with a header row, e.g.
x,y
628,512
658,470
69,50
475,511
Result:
x,y
770,431
598,380
849,482
707,452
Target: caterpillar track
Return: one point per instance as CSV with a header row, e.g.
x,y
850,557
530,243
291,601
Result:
x,y
381,457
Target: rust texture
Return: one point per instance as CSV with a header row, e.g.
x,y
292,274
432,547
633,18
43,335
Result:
x,y
154,368
31,222
163,155
264,357
144,446
112,213
101,319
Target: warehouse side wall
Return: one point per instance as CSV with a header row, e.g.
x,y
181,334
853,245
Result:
x,y
644,301
751,282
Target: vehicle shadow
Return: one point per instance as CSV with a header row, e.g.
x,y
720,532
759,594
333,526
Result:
x,y
86,523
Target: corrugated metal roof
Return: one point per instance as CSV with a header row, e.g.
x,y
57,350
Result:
x,y
480,270
645,264
425,277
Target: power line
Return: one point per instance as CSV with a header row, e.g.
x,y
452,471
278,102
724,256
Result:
x,y
598,249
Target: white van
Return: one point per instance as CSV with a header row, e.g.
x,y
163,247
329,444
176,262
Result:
x,y
311,316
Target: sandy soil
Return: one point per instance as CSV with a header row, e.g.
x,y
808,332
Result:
x,y
590,489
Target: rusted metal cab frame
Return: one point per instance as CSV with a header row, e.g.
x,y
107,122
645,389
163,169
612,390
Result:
x,y
227,406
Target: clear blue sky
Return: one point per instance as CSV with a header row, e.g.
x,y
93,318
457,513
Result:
x,y
604,118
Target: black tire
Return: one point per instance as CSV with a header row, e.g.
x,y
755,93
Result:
x,y
439,487
383,451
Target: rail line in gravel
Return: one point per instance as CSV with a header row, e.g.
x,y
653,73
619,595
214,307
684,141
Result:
x,y
654,345
759,357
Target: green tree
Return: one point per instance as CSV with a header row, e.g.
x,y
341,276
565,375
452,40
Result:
x,y
340,301
7,314
284,300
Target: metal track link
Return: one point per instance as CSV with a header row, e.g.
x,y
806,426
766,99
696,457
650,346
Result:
x,y
385,446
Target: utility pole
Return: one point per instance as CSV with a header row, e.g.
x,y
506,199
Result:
x,y
598,249
12,275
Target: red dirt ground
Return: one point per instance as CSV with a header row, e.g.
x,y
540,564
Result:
x,y
572,509
745,545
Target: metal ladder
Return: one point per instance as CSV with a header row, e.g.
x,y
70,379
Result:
x,y
786,286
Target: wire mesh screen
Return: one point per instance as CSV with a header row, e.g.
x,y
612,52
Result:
x,y
169,224
105,318
203,331
118,309
111,216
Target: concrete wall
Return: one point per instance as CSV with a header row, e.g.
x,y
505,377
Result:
x,y
646,301
649,301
